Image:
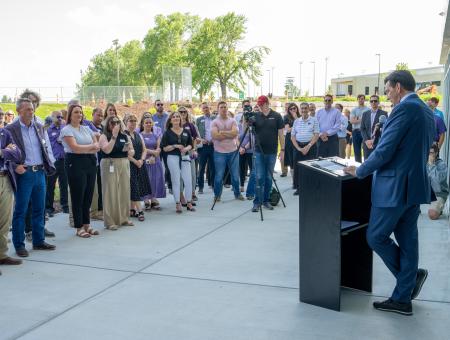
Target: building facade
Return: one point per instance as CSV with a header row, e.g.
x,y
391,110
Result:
x,y
367,84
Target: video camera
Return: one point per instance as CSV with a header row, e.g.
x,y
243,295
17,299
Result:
x,y
249,115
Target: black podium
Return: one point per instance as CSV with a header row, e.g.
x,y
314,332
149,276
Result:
x,y
334,212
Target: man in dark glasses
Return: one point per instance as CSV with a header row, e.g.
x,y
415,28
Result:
x,y
355,119
369,121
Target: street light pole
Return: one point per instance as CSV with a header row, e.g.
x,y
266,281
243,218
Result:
x,y
300,78
268,92
379,71
314,77
326,71
116,44
271,92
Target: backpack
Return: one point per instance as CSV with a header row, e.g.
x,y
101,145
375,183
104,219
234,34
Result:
x,y
274,197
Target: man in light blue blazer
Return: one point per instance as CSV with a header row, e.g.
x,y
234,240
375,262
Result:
x,y
400,184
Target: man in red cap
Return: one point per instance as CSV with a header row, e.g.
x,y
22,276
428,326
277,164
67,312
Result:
x,y
269,129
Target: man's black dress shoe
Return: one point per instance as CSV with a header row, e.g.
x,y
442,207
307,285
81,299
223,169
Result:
x,y
44,246
395,307
420,280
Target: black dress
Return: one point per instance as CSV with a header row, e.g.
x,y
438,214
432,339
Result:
x,y
140,187
288,146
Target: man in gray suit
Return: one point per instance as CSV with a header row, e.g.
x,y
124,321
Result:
x,y
369,120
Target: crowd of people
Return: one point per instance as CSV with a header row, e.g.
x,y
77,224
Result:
x,y
116,168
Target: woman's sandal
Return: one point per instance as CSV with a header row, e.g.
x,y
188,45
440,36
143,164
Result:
x,y
82,233
133,213
155,205
178,208
148,206
190,206
128,224
92,231
141,216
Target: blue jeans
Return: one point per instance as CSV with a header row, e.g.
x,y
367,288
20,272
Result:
x,y
401,258
205,156
264,166
30,186
250,192
221,160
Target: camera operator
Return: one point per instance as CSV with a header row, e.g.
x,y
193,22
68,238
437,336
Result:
x,y
269,128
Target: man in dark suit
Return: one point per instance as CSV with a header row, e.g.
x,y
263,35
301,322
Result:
x,y
400,184
9,153
368,122
31,169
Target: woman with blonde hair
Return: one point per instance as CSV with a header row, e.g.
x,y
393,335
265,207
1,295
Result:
x,y
152,140
115,172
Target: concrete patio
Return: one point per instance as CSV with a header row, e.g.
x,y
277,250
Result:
x,y
218,274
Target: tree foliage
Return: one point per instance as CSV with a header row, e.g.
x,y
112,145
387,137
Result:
x,y
209,46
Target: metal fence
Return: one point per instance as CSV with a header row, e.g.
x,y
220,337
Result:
x,y
48,94
118,94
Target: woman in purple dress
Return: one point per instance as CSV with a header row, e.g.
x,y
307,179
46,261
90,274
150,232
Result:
x,y
152,138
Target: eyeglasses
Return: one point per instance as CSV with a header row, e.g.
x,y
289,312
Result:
x,y
374,101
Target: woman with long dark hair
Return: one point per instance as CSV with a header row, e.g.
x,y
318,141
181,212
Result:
x,y
80,147
292,114
115,172
177,142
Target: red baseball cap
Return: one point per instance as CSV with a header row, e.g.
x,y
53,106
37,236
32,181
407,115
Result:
x,y
262,100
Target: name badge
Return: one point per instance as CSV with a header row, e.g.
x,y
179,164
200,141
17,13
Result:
x,y
54,133
185,134
122,140
202,121
187,128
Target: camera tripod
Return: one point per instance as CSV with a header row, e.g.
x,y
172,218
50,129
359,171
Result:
x,y
250,130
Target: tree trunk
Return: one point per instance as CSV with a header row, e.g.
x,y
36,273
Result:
x,y
223,89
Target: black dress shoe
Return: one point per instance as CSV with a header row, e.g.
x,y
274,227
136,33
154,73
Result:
x,y
420,280
22,252
395,307
44,246
48,233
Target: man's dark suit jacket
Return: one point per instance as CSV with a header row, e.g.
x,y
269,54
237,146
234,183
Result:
x,y
367,129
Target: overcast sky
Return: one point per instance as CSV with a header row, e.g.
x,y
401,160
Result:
x,y
47,42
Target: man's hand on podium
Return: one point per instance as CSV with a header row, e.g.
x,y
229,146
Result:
x,y
350,170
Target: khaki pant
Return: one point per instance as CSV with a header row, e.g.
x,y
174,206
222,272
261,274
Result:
x,y
115,191
94,204
6,206
342,145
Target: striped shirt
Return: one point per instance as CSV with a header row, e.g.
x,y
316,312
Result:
x,y
304,130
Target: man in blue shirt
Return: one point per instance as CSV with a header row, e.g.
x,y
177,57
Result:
x,y
433,103
329,119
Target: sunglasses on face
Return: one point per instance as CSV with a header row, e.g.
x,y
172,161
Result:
x,y
327,100
374,101
182,111
159,104
59,117
293,108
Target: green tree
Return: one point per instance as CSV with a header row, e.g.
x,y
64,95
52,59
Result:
x,y
102,70
165,44
215,58
401,66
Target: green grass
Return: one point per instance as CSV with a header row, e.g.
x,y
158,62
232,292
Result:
x,y
45,110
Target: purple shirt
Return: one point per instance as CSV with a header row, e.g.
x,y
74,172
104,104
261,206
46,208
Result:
x,y
440,127
90,125
53,134
329,120
191,128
